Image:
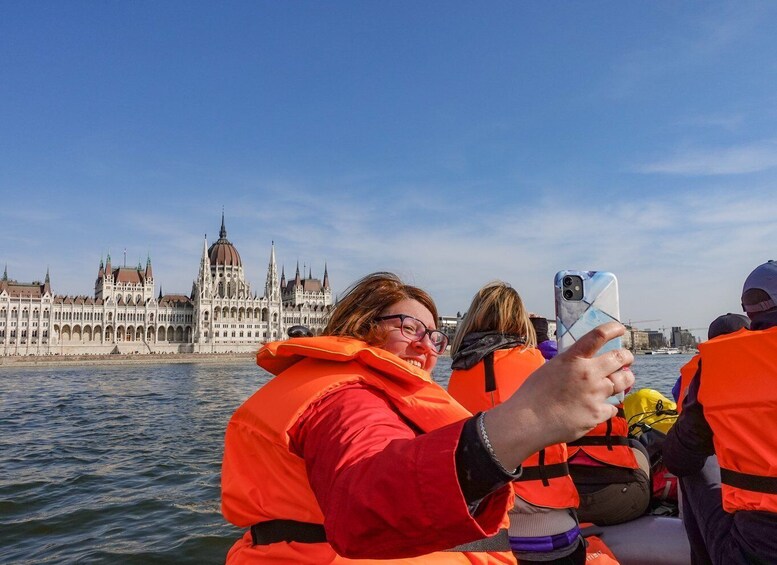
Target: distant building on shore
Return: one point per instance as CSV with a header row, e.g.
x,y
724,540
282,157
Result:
x,y
642,340
123,316
682,338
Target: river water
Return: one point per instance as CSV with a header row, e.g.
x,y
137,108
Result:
x,y
120,464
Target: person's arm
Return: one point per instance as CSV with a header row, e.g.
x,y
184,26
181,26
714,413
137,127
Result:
x,y
689,441
386,491
676,388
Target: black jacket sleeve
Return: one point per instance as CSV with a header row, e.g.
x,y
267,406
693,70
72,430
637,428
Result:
x,y
689,442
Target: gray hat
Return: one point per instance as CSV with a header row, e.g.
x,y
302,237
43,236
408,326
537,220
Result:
x,y
764,277
727,324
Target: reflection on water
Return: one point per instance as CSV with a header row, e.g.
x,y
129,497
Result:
x,y
106,464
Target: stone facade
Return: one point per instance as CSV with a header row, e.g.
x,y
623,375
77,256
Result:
x,y
123,316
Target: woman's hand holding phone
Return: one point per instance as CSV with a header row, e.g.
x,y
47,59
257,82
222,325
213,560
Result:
x,y
562,400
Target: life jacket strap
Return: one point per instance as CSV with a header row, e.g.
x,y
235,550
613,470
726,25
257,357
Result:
x,y
599,440
498,542
488,369
745,481
543,472
274,531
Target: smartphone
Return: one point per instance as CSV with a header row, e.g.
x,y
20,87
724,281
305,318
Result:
x,y
585,300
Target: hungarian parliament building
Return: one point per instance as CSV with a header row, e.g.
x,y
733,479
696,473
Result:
x,y
124,316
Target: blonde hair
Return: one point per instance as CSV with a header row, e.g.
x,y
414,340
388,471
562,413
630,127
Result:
x,y
354,314
497,307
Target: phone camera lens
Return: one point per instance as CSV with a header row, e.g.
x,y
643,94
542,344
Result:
x,y
567,282
568,294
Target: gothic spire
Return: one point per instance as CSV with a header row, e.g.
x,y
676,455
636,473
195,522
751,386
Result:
x,y
271,285
5,272
223,230
203,278
326,277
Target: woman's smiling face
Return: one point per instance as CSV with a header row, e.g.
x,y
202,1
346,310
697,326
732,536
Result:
x,y
419,353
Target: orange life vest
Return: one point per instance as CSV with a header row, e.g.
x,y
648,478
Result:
x,y
262,481
597,552
738,389
687,373
545,479
607,443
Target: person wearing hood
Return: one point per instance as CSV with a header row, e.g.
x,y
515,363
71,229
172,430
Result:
x,y
723,446
493,353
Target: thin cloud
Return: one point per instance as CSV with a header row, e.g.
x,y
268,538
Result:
x,y
701,41
730,123
740,160
679,258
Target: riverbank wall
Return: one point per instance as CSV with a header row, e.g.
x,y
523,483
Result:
x,y
125,359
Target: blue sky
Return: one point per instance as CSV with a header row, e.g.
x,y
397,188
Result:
x,y
452,142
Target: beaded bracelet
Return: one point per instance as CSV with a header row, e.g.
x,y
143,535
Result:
x,y
490,449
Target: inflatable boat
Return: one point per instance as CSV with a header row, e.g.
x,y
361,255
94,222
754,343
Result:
x,y
648,540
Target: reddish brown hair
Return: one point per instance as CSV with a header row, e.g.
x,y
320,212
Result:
x,y
366,299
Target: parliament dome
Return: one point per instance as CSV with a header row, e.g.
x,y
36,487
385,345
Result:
x,y
223,252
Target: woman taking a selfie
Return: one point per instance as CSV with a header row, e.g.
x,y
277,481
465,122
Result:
x,y
353,452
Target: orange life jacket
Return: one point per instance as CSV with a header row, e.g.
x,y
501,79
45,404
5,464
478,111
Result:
x,y
687,373
607,443
545,479
262,481
597,552
738,389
